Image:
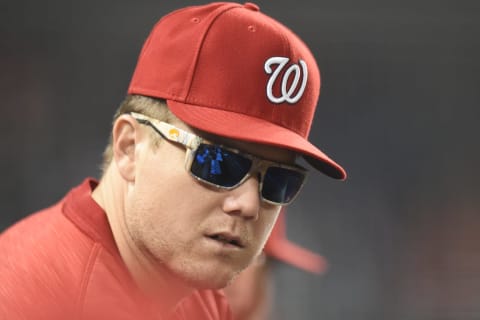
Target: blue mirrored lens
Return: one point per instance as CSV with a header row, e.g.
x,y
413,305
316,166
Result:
x,y
281,185
219,166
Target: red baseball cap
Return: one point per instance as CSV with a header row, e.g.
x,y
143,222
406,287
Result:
x,y
279,247
230,70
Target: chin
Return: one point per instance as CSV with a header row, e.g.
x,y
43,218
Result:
x,y
216,281
207,272
210,279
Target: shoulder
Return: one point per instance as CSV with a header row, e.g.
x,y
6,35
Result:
x,y
43,258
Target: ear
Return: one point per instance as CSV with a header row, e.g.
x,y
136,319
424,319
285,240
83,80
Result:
x,y
125,136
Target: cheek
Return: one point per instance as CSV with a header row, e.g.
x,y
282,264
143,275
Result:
x,y
165,203
264,226
155,226
163,179
268,220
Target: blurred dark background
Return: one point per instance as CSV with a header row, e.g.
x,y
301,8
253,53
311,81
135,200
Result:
x,y
399,109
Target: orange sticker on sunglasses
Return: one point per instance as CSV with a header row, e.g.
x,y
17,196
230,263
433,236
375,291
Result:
x,y
173,133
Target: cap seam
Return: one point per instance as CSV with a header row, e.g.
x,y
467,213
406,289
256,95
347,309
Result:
x,y
193,67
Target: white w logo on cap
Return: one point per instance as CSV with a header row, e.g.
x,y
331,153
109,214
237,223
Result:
x,y
286,94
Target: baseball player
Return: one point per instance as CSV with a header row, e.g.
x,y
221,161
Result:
x,y
202,157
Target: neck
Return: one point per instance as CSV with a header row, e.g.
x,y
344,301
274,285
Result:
x,y
161,287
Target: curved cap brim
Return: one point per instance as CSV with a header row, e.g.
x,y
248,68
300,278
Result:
x,y
247,128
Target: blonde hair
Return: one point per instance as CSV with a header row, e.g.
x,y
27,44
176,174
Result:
x,y
154,108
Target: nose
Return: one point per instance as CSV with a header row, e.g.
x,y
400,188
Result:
x,y
244,200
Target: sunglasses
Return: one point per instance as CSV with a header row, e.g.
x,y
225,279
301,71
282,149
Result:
x,y
227,168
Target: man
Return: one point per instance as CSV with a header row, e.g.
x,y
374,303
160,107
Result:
x,y
201,159
251,294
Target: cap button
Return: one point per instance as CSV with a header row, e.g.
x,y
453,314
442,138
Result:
x,y
251,6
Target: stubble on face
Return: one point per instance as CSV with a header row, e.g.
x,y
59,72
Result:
x,y
171,235
168,214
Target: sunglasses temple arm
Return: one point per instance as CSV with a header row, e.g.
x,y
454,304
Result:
x,y
168,131
172,133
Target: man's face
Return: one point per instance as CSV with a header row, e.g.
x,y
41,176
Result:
x,y
201,234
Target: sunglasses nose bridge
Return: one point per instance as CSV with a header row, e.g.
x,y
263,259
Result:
x,y
255,172
259,168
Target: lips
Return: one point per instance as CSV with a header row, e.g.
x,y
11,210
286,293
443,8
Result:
x,y
228,239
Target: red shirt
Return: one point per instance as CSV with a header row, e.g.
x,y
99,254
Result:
x,y
63,263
